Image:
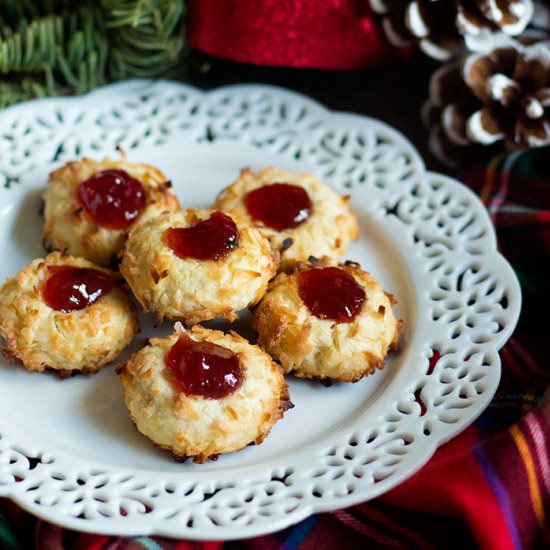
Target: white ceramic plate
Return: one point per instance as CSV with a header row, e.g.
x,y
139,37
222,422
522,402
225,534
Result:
x,y
68,451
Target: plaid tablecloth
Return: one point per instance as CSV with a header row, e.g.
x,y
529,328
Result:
x,y
490,486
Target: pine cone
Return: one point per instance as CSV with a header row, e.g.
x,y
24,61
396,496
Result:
x,y
486,103
439,27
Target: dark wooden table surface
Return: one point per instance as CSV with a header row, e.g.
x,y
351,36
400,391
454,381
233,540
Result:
x,y
394,94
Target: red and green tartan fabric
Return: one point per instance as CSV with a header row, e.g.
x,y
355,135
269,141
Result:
x,y
487,488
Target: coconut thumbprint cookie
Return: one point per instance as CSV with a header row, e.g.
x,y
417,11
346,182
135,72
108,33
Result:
x,y
297,212
196,265
200,393
90,206
327,322
66,314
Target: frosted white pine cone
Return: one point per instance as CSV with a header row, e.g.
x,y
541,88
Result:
x,y
441,27
485,103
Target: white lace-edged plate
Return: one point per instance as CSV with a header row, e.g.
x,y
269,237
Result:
x,y
68,450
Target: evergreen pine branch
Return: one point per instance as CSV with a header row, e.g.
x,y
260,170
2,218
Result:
x,y
146,36
13,11
48,47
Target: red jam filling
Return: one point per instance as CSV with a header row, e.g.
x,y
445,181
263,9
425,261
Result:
x,y
203,368
279,206
331,293
112,198
70,288
210,239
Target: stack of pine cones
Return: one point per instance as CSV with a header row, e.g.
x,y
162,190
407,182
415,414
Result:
x,y
496,99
